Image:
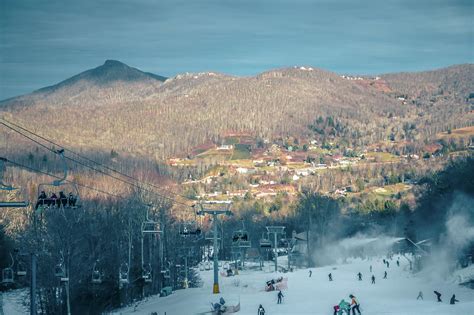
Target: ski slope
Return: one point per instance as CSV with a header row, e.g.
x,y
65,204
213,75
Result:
x,y
316,295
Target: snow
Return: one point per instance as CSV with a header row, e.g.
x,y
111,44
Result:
x,y
14,302
316,295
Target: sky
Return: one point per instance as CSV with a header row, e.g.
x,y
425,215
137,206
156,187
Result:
x,y
43,42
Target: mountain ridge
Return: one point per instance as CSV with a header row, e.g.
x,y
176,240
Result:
x,y
161,119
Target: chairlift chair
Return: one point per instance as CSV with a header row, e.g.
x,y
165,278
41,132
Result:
x,y
189,229
240,238
21,269
265,242
123,273
96,274
201,267
10,204
150,227
146,273
7,275
60,272
71,193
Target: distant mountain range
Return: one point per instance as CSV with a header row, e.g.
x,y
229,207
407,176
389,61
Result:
x,y
118,107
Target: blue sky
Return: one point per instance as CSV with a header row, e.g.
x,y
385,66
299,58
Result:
x,y
44,42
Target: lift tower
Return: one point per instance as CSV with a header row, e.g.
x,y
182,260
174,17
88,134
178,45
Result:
x,y
215,208
275,230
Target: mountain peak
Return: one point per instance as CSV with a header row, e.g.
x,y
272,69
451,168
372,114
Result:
x,y
111,71
111,62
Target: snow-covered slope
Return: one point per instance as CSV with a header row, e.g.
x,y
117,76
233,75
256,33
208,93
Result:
x,y
316,295
14,302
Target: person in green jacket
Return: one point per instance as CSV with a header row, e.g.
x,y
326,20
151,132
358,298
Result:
x,y
344,307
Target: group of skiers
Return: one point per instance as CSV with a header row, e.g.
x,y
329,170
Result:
x,y
452,301
345,308
261,310
56,201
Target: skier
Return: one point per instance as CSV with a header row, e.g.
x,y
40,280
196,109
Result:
x,y
384,262
354,304
373,279
385,275
41,200
420,295
53,199
280,295
438,296
310,273
344,307
330,276
370,268
71,200
261,310
360,276
453,300
388,264
217,308
398,263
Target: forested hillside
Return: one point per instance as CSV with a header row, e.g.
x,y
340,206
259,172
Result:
x,y
138,114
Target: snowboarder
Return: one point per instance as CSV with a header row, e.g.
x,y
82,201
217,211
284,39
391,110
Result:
x,y
330,276
385,274
261,310
360,276
420,295
453,300
370,268
373,279
310,273
354,304
280,295
438,296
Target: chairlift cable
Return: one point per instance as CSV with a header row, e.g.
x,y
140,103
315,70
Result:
x,y
95,169
69,181
90,160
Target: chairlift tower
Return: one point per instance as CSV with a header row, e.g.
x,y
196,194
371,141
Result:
x,y
275,230
215,208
